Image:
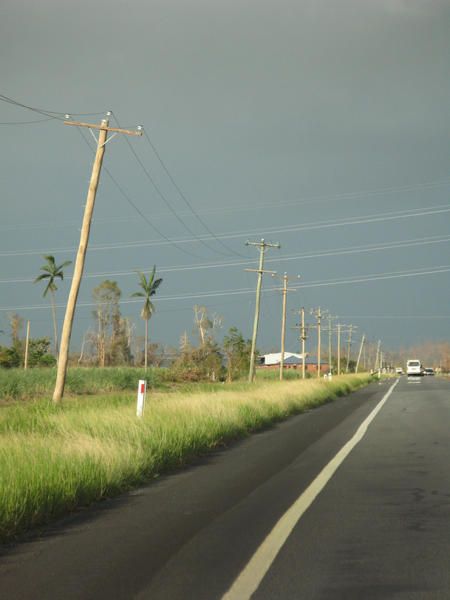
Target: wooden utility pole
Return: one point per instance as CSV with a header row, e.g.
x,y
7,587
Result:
x,y
303,337
262,247
377,355
338,348
349,347
360,352
25,365
330,331
84,238
285,290
319,315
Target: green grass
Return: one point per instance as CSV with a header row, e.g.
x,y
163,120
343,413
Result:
x,y
54,459
18,384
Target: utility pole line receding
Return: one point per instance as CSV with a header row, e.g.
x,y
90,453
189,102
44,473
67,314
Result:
x,y
84,238
285,290
262,247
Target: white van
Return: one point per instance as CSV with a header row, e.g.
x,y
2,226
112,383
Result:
x,y
414,367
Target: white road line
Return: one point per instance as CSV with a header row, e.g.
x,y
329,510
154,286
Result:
x,y
252,574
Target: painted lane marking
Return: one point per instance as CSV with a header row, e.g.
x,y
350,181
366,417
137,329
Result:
x,y
251,576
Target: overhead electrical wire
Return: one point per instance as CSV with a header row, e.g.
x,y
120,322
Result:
x,y
27,122
320,283
183,196
289,228
308,255
344,196
131,203
49,113
53,115
167,203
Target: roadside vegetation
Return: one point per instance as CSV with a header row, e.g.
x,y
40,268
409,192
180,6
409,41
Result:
x,y
54,459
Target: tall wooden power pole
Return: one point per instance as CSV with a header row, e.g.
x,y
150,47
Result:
x,y
303,337
363,339
377,356
262,247
349,341
330,332
25,365
84,238
285,290
319,315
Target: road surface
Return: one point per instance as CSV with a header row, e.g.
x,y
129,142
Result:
x,y
348,501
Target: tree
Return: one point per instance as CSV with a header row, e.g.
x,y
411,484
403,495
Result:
x,y
237,352
38,356
106,295
9,357
51,272
149,288
205,324
16,324
205,361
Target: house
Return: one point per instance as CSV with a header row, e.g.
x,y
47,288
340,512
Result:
x,y
293,361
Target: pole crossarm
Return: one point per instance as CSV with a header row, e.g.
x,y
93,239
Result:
x,y
128,131
263,244
260,271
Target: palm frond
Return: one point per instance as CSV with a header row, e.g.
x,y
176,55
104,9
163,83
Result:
x,y
41,276
155,286
143,281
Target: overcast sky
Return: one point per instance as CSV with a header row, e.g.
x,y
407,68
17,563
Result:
x,y
319,124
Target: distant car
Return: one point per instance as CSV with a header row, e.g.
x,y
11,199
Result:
x,y
428,372
399,371
414,368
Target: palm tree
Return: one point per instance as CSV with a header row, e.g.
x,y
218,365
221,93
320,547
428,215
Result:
x,y
149,288
51,272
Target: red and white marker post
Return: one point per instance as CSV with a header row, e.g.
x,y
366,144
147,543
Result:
x,y
142,389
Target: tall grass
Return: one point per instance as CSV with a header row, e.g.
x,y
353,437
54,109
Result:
x,y
18,384
54,459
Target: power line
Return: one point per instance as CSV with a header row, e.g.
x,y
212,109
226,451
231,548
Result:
x,y
54,115
49,113
164,199
343,196
221,265
27,122
289,228
132,204
327,282
183,196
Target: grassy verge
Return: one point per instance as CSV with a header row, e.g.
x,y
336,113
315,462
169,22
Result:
x,y
18,384
53,460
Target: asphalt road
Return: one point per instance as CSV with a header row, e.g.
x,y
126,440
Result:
x,y
379,529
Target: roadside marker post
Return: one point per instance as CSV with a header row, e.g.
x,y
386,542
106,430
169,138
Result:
x,y
142,389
